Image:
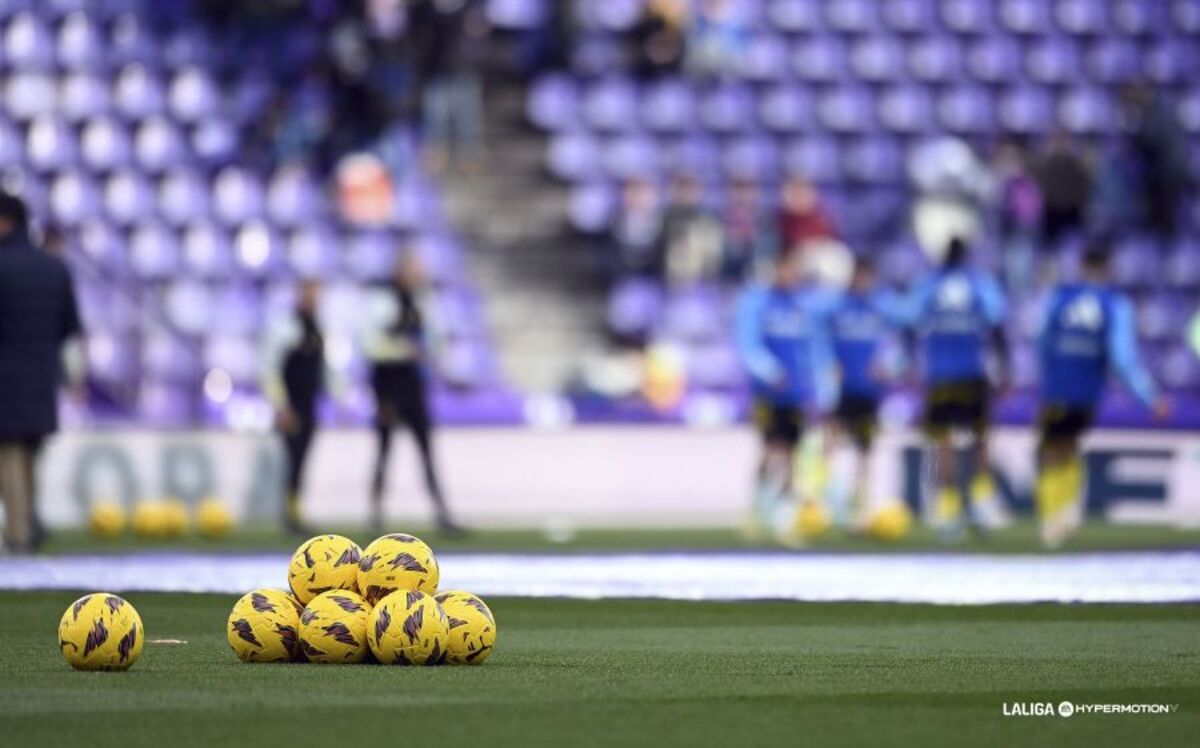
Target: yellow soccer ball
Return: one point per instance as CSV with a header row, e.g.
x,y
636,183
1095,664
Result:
x,y
472,627
149,519
107,519
174,518
812,519
213,519
264,626
101,631
333,627
397,562
890,523
323,563
408,628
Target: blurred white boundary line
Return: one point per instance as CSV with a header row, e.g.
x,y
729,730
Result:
x,y
951,579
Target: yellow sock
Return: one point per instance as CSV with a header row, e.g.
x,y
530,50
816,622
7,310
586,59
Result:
x,y
1073,482
983,488
1049,491
949,504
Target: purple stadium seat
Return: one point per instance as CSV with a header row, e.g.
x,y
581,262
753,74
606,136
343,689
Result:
x,y
786,108
258,249
207,251
137,93
1025,16
1181,370
714,366
612,15
237,196
724,109
847,108
695,153
967,16
293,197
183,197
110,359
189,46
313,251
241,309
153,251
1081,17
634,306
74,198
815,158
193,96
905,108
1087,110
1133,16
851,16
82,96
188,306
765,58
752,157
935,59
1134,262
573,155
215,142
128,198
1025,372
877,58
668,105
28,43
159,145
1183,264
1113,60
12,145
1026,109
80,43
875,159
820,59
1171,62
591,205
370,255
1185,16
234,354
795,16
105,145
629,156
131,42
611,104
103,244
516,14
692,314
995,59
57,9
553,102
29,95
50,144
1053,60
909,16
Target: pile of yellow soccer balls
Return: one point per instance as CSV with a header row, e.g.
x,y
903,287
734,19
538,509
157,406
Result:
x,y
348,605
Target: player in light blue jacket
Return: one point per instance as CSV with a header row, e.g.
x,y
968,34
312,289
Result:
x,y
1088,330
781,334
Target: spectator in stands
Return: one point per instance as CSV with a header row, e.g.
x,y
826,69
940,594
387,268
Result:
x,y
1160,147
660,38
691,233
636,231
802,218
1065,179
450,38
747,234
37,316
717,43
1020,204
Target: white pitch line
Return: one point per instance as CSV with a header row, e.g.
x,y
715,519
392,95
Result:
x,y
953,579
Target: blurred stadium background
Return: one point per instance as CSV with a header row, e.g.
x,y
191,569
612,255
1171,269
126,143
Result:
x,y
586,183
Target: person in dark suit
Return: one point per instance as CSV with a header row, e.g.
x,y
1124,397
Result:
x,y
38,315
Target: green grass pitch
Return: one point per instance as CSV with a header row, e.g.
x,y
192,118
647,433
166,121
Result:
x,y
622,673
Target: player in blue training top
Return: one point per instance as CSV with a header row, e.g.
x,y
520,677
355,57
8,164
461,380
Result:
x,y
1088,329
860,322
958,313
782,339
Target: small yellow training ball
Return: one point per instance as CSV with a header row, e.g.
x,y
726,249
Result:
x,y
175,518
213,519
101,631
812,519
323,563
333,627
149,519
107,519
397,562
890,523
264,626
472,627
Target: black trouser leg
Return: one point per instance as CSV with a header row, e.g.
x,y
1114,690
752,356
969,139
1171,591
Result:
x,y
297,443
422,435
383,441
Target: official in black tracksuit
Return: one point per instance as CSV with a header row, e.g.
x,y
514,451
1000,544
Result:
x,y
396,346
294,379
38,315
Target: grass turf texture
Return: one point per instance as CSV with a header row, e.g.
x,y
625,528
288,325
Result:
x,y
1022,537
607,673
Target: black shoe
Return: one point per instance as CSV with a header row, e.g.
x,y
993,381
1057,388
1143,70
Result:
x,y
295,527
